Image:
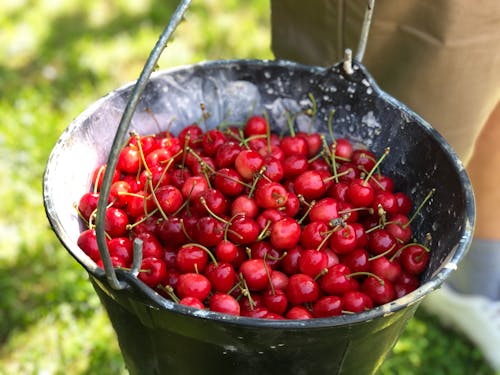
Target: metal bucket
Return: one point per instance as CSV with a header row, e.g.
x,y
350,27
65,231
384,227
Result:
x,y
157,336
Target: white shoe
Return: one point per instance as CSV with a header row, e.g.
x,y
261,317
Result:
x,y
477,317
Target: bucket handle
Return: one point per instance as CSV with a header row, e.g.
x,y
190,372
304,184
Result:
x,y
123,126
137,91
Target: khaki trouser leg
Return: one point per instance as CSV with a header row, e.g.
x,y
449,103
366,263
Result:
x,y
439,57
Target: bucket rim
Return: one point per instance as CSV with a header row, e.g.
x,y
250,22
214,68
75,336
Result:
x,y
411,298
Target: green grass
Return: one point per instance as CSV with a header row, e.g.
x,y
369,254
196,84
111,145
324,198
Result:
x,y
56,58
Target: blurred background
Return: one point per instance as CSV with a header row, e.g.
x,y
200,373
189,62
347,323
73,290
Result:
x,y
56,58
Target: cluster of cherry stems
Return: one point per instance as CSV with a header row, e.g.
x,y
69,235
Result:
x,y
243,221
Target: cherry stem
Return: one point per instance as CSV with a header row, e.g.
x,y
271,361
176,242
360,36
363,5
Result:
x,y
213,214
246,292
290,120
268,131
141,151
309,208
150,183
386,152
313,111
330,126
205,249
142,220
421,205
328,235
183,227
233,179
170,291
400,250
78,212
202,162
268,274
322,273
257,177
363,273
264,233
387,252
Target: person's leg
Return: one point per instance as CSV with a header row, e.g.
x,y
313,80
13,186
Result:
x,y
442,59
480,270
470,300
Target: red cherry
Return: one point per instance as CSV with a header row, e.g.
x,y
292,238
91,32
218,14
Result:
x,y
192,302
285,233
226,155
325,209
380,241
313,262
385,268
88,204
327,306
245,205
310,185
153,271
343,149
211,141
191,258
129,160
290,263
226,251
406,283
313,235
121,248
119,193
360,193
116,221
379,290
279,280
255,273
294,145
302,289
191,135
193,285
222,276
271,195
87,241
343,240
299,313
256,125
355,301
275,300
208,231
364,159
294,165
414,259
337,280
243,230
229,182
170,230
273,169
404,203
247,163
169,198
399,228
357,260
224,303
98,175
194,186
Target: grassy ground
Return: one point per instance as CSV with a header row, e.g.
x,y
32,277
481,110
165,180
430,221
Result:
x,y
57,57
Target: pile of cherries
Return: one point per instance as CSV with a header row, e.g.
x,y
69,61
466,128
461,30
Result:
x,y
243,221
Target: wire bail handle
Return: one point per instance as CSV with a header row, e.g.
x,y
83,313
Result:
x,y
365,30
123,126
